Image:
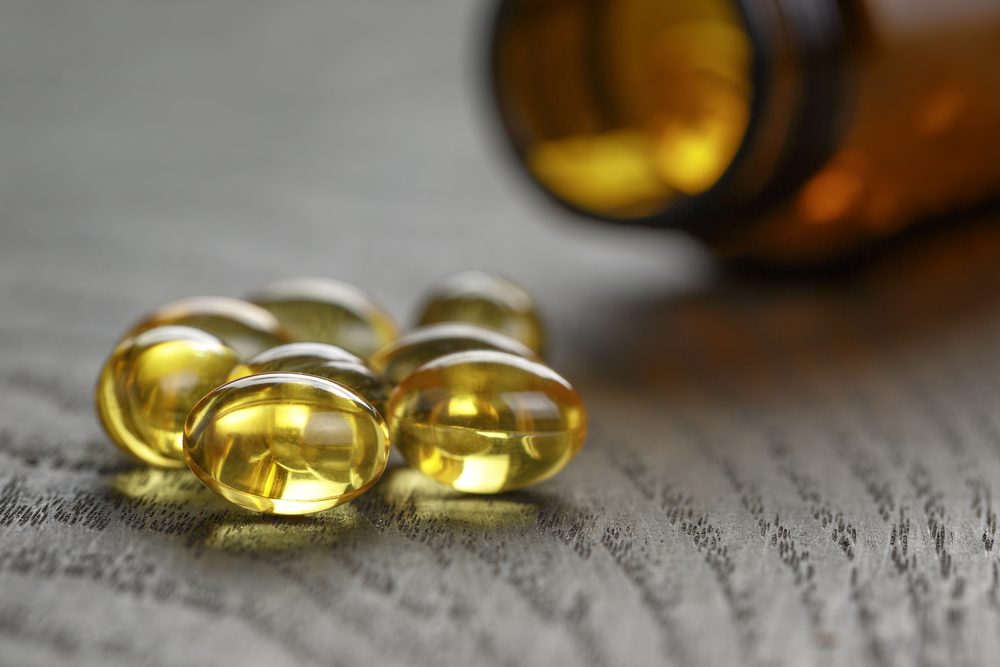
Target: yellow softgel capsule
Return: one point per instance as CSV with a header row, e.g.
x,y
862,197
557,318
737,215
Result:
x,y
322,359
489,300
150,383
415,348
245,327
486,421
328,311
286,443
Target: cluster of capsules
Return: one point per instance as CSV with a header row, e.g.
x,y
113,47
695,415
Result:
x,y
287,402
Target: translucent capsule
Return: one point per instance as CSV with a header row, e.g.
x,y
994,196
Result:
x,y
487,299
327,311
286,443
415,348
246,328
329,361
150,383
486,422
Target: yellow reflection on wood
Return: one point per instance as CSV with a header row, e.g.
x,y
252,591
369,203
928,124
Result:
x,y
157,486
408,491
265,533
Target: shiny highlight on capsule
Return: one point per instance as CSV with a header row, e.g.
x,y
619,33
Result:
x,y
328,311
417,347
150,383
246,328
489,300
321,359
286,443
486,422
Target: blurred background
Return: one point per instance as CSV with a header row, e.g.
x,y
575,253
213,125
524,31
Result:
x,y
759,445
197,147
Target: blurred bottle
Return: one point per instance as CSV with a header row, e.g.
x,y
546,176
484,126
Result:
x,y
787,130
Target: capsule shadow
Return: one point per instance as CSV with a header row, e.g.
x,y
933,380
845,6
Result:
x,y
175,502
165,488
258,533
410,498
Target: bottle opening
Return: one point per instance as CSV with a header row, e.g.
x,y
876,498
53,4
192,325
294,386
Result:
x,y
621,108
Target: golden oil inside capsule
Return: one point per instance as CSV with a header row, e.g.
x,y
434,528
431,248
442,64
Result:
x,y
415,348
246,328
328,311
150,383
486,422
286,443
489,300
322,359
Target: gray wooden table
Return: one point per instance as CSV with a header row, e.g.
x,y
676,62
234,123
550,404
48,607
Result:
x,y
779,472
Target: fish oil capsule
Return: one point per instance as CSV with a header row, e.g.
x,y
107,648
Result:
x,y
328,311
486,421
150,383
246,328
329,361
286,443
489,300
415,348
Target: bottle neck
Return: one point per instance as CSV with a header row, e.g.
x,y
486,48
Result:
x,y
801,81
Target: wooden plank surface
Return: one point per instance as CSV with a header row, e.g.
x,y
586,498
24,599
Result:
x,y
779,472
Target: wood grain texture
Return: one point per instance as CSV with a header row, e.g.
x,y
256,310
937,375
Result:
x,y
780,472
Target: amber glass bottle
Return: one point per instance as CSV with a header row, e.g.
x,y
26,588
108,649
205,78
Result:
x,y
789,130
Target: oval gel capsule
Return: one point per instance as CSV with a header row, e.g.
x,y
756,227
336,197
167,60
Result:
x,y
486,422
150,383
246,328
329,361
286,443
415,348
489,300
328,311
